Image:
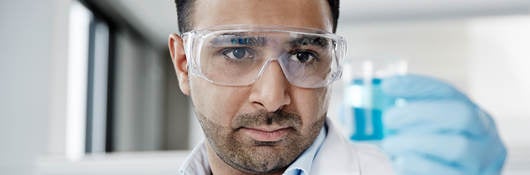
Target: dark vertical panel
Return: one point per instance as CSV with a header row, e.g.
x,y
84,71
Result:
x,y
109,139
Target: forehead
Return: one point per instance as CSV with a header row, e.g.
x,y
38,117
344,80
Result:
x,y
289,13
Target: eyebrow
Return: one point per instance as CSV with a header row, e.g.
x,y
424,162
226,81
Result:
x,y
309,40
239,40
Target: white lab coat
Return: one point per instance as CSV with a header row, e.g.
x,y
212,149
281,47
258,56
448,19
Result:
x,y
339,156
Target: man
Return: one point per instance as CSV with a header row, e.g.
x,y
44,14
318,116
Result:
x,y
258,73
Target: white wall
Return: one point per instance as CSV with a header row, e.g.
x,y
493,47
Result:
x,y
31,37
500,73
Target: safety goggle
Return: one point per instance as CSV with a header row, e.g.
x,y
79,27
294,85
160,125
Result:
x,y
238,55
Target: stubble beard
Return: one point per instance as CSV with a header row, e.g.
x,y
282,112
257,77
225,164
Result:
x,y
255,157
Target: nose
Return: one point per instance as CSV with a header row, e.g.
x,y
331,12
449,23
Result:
x,y
271,90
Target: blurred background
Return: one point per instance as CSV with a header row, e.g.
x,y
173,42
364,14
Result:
x,y
87,87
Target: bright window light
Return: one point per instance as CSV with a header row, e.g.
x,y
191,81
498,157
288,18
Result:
x,y
80,18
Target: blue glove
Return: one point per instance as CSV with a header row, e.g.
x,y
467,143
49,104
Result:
x,y
438,130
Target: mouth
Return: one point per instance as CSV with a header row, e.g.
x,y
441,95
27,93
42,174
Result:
x,y
266,134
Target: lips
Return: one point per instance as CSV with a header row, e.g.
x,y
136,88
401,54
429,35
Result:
x,y
266,134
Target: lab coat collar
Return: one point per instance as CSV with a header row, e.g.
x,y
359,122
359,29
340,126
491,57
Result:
x,y
336,155
197,162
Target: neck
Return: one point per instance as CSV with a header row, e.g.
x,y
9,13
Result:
x,y
219,167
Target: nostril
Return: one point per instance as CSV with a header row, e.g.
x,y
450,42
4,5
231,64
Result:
x,y
259,103
279,110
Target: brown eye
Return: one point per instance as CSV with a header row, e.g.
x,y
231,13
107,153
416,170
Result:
x,y
303,57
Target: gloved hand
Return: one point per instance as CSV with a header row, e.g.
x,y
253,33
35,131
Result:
x,y
438,130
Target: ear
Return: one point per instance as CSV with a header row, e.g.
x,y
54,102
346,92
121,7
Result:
x,y
180,63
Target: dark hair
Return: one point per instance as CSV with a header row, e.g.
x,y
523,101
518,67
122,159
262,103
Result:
x,y
184,8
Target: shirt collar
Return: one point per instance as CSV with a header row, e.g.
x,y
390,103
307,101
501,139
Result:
x,y
197,161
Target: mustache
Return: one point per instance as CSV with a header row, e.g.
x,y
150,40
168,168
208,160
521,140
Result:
x,y
262,117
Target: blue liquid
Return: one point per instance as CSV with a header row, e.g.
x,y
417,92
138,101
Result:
x,y
368,111
362,131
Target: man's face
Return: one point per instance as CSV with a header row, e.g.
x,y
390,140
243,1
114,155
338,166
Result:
x,y
262,127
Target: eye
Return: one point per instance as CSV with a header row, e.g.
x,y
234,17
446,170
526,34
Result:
x,y
303,56
238,53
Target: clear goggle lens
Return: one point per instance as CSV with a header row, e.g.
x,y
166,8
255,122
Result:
x,y
238,56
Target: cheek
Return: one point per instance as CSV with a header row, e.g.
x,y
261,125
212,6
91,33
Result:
x,y
312,104
217,103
